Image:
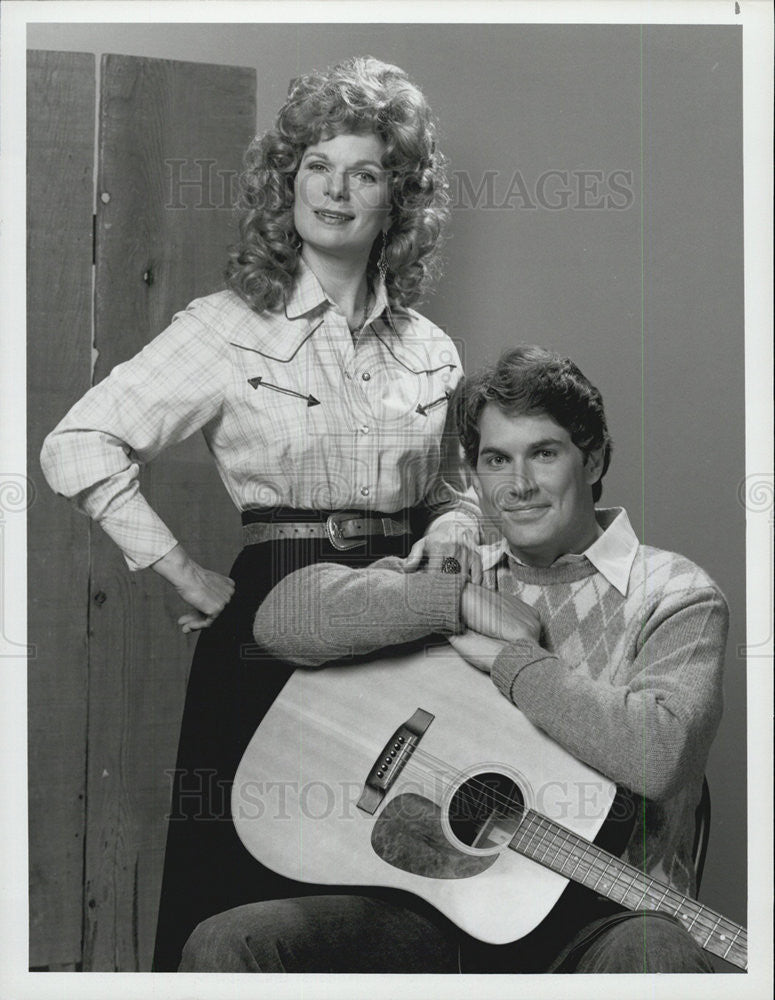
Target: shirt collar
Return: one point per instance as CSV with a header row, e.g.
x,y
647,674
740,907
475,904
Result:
x,y
280,333
612,553
307,295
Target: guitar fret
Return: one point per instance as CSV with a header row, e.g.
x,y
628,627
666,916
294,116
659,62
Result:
x,y
663,897
627,888
549,845
641,886
533,834
601,875
578,862
677,909
519,837
565,841
694,918
713,930
732,942
728,926
530,829
564,846
622,884
582,862
649,885
566,860
524,830
587,851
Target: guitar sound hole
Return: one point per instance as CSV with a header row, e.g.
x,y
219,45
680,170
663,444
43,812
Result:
x,y
486,810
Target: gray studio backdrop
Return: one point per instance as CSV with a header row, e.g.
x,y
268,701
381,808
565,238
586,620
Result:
x,y
597,190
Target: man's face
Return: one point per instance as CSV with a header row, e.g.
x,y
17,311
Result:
x,y
534,483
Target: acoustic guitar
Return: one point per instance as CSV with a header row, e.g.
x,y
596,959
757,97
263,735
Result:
x,y
414,772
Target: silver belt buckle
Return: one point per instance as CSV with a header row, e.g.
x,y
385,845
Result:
x,y
334,531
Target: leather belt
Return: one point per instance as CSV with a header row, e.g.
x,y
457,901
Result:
x,y
344,529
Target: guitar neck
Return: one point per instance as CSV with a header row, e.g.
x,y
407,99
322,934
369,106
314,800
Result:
x,y
562,851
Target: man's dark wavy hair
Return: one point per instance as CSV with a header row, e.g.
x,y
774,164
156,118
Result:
x,y
529,380
359,96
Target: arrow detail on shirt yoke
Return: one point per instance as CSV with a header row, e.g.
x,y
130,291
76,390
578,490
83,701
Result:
x,y
423,410
258,381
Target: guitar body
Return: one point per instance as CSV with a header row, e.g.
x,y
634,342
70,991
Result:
x,y
434,824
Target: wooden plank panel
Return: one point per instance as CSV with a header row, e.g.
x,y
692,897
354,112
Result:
x,y
161,242
60,178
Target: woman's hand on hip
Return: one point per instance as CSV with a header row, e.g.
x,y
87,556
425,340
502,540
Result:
x,y
206,591
444,541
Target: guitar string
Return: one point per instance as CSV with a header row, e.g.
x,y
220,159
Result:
x,y
506,803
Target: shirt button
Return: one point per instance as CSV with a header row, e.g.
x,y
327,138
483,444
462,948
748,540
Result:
x,y
364,429
366,376
364,491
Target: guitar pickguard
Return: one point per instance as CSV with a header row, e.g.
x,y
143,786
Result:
x,y
408,835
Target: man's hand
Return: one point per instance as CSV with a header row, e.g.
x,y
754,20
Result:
x,y
498,615
481,651
448,538
206,591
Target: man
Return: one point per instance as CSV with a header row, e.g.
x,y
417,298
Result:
x,y
613,648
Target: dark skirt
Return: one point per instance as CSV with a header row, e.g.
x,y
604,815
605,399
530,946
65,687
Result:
x,y
230,688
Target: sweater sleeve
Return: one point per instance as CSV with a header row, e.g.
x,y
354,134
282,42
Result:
x,y
157,398
327,611
650,731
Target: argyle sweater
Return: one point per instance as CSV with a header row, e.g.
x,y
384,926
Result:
x,y
631,685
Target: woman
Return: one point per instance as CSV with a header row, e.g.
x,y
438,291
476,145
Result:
x,y
322,398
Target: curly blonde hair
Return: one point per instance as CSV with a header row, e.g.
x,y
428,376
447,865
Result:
x,y
359,96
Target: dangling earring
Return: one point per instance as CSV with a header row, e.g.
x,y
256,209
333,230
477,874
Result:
x,y
382,265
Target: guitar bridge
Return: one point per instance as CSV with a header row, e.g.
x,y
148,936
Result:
x,y
396,752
